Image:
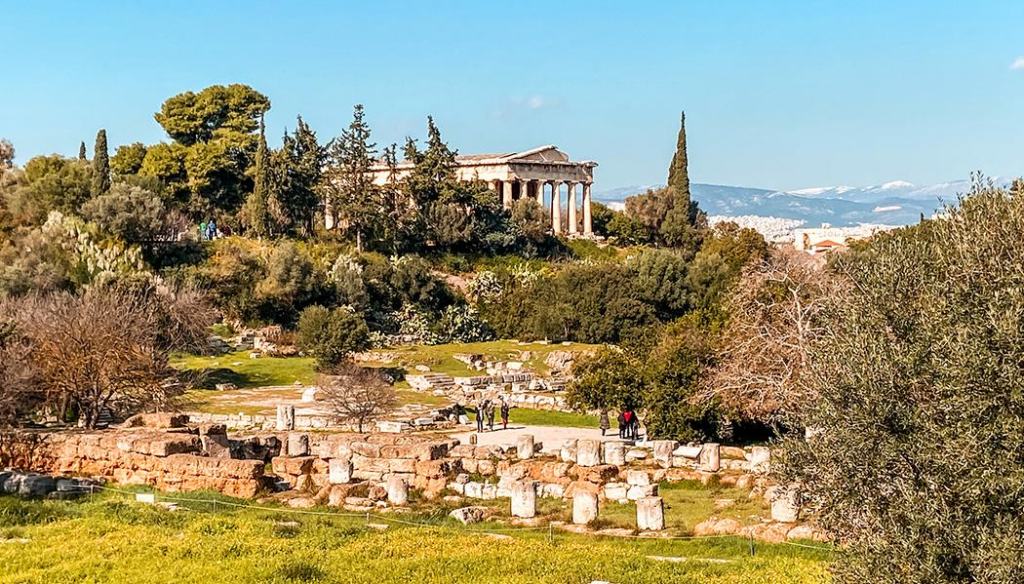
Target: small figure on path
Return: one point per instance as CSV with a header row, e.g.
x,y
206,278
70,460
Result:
x,y
481,411
490,416
622,424
504,414
629,418
202,230
212,230
605,424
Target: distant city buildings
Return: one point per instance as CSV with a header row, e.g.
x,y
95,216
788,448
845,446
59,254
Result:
x,y
821,240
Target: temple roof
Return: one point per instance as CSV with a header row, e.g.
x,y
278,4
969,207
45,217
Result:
x,y
548,154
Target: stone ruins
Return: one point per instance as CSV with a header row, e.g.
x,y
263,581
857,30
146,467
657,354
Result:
x,y
366,472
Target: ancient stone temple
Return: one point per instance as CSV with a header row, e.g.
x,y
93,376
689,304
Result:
x,y
544,174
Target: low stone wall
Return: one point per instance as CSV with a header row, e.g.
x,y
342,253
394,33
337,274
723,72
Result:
x,y
169,461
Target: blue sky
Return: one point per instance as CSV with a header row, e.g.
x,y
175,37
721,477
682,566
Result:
x,y
778,94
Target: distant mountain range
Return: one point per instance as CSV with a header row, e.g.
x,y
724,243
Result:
x,y
892,203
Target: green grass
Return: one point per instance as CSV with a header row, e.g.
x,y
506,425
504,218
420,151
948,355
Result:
x,y
209,371
688,503
530,417
105,539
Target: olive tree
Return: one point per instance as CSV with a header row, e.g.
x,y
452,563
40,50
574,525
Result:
x,y
916,441
356,394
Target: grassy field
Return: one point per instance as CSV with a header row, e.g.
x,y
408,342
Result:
x,y
244,372
107,539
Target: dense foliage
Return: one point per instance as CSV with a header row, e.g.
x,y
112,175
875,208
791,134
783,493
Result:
x,y
916,434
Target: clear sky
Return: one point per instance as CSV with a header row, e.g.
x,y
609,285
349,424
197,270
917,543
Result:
x,y
778,94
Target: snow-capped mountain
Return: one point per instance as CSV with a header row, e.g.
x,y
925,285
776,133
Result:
x,y
893,203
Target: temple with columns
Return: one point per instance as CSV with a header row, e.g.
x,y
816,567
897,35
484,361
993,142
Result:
x,y
542,174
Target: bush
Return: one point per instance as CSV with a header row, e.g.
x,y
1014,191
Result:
x,y
331,335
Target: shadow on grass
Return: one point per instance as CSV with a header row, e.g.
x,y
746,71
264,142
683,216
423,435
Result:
x,y
209,378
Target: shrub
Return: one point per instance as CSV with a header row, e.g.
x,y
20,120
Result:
x,y
331,335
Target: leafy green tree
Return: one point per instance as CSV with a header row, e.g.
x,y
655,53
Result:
x,y
661,281
914,454
352,194
331,335
678,171
128,159
627,230
610,379
166,163
49,183
600,216
100,166
216,112
134,214
81,152
533,224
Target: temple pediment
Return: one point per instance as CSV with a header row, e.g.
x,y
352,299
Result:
x,y
540,154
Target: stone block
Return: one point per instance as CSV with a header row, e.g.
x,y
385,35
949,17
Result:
x,y
468,515
710,457
339,471
785,503
637,492
615,453
588,452
650,514
691,452
760,459
285,418
397,491
568,451
525,447
524,499
584,506
662,450
615,491
635,454
637,477
37,486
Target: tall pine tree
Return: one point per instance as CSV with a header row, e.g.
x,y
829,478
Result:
x,y
81,152
351,191
100,166
257,206
678,174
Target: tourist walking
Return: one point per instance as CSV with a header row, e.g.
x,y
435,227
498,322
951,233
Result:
x,y
629,417
202,230
622,424
481,411
212,228
504,414
490,416
605,424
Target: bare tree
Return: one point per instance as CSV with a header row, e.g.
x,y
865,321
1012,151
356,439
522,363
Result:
x,y
108,348
19,381
775,321
356,394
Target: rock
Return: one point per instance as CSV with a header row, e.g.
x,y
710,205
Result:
x,y
635,454
716,526
37,486
637,492
468,515
615,453
422,368
309,394
588,452
770,532
216,445
225,387
806,531
616,492
339,471
524,499
298,444
568,451
691,452
733,453
637,477
584,506
650,514
710,457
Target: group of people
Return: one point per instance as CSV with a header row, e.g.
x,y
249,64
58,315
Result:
x,y
629,424
208,231
485,410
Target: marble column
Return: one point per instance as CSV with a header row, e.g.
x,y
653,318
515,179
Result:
x,y
540,193
556,207
570,201
506,194
588,226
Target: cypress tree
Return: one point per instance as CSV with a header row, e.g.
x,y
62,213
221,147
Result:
x,y
257,209
100,166
678,175
81,151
